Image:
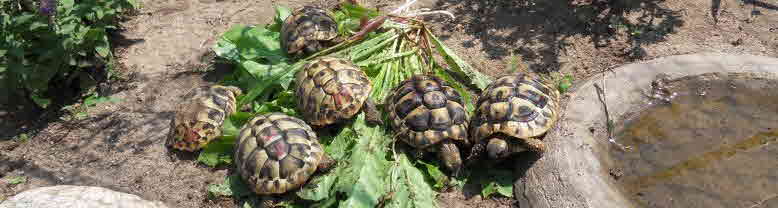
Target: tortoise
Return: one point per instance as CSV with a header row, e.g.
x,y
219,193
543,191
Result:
x,y
199,121
308,30
510,115
77,196
331,89
429,115
276,153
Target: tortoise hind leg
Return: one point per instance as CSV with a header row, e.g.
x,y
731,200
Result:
x,y
449,155
372,115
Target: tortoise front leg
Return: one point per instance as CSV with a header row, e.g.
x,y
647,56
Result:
x,y
449,155
501,147
372,115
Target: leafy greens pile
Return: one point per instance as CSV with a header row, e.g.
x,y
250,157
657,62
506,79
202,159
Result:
x,y
370,172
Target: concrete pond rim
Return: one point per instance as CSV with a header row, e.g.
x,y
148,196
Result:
x,y
571,174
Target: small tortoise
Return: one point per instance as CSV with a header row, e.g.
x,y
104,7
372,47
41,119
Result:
x,y
308,30
77,196
333,89
429,115
199,121
276,153
510,114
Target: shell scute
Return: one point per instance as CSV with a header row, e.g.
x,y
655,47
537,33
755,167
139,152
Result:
x,y
276,153
308,30
514,105
198,121
427,112
331,90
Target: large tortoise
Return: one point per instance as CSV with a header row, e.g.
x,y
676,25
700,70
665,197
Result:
x,y
77,196
429,115
308,30
276,153
199,121
334,89
511,113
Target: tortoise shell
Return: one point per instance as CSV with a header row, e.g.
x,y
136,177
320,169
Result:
x,y
308,30
276,153
515,105
427,111
331,89
199,121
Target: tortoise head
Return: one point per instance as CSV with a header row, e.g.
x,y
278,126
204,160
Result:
x,y
191,137
496,148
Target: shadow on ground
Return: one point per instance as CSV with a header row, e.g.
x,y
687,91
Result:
x,y
538,31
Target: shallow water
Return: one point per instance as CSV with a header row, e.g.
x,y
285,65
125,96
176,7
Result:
x,y
714,145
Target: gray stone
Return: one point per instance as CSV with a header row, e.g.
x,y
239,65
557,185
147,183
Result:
x,y
66,196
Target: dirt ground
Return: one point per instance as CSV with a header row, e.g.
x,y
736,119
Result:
x,y
120,145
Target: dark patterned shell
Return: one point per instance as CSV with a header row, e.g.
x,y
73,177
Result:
x,y
307,30
515,105
427,111
331,89
199,121
276,153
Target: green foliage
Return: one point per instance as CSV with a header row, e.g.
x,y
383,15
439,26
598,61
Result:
x,y
494,180
79,111
565,83
409,186
349,15
220,151
17,180
368,172
232,186
36,49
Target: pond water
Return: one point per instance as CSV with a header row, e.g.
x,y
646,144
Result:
x,y
714,145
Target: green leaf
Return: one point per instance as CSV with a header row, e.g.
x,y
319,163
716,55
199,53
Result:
x,y
249,43
318,188
17,180
363,180
409,186
440,179
565,83
341,144
94,100
218,152
282,13
134,4
267,81
458,65
495,181
42,102
233,186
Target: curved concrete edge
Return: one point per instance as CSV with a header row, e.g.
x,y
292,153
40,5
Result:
x,y
571,173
